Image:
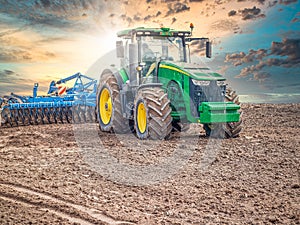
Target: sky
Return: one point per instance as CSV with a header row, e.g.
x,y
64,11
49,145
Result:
x,y
256,43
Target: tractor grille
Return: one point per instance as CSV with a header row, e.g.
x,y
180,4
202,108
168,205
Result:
x,y
209,93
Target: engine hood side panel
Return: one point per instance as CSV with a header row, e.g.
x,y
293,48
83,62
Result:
x,y
193,71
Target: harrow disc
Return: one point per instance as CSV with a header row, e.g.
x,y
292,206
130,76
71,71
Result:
x,y
36,116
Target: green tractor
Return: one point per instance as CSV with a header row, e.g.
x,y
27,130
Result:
x,y
157,90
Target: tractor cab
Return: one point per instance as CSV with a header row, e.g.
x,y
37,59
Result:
x,y
143,49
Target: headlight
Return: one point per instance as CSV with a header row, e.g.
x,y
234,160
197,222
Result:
x,y
201,82
220,83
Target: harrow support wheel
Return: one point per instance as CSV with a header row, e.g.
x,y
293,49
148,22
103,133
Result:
x,y
152,114
109,107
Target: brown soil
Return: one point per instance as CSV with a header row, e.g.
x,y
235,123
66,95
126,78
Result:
x,y
46,178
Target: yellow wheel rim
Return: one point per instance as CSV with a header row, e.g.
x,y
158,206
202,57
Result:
x,y
105,106
141,117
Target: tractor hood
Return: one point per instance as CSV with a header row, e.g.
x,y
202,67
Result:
x,y
194,71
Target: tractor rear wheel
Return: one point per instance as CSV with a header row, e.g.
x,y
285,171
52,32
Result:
x,y
109,113
152,114
226,130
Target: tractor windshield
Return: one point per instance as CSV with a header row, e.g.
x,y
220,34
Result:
x,y
164,48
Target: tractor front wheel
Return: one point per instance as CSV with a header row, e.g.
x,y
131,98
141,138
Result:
x,y
152,114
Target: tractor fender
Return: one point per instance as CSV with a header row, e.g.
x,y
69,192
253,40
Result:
x,y
115,73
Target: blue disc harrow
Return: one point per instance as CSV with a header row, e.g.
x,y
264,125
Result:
x,y
75,104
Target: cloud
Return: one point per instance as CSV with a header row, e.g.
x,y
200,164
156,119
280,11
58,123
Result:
x,y
12,81
251,13
147,18
258,1
261,1
197,47
247,13
261,76
158,13
281,54
256,73
177,8
14,55
293,85
287,2
22,55
235,58
10,76
224,25
137,17
289,48
6,74
12,31
45,3
166,1
281,2
240,58
59,13
232,13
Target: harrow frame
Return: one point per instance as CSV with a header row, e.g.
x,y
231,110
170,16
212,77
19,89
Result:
x,y
76,105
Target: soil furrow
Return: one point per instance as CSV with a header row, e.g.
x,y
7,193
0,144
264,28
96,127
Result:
x,y
27,203
92,212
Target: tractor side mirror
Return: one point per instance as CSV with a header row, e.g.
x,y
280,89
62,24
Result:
x,y
208,49
120,49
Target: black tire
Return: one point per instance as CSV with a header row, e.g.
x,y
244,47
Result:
x,y
179,126
233,129
117,122
158,114
226,130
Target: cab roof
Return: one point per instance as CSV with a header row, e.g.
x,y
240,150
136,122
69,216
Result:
x,y
163,31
